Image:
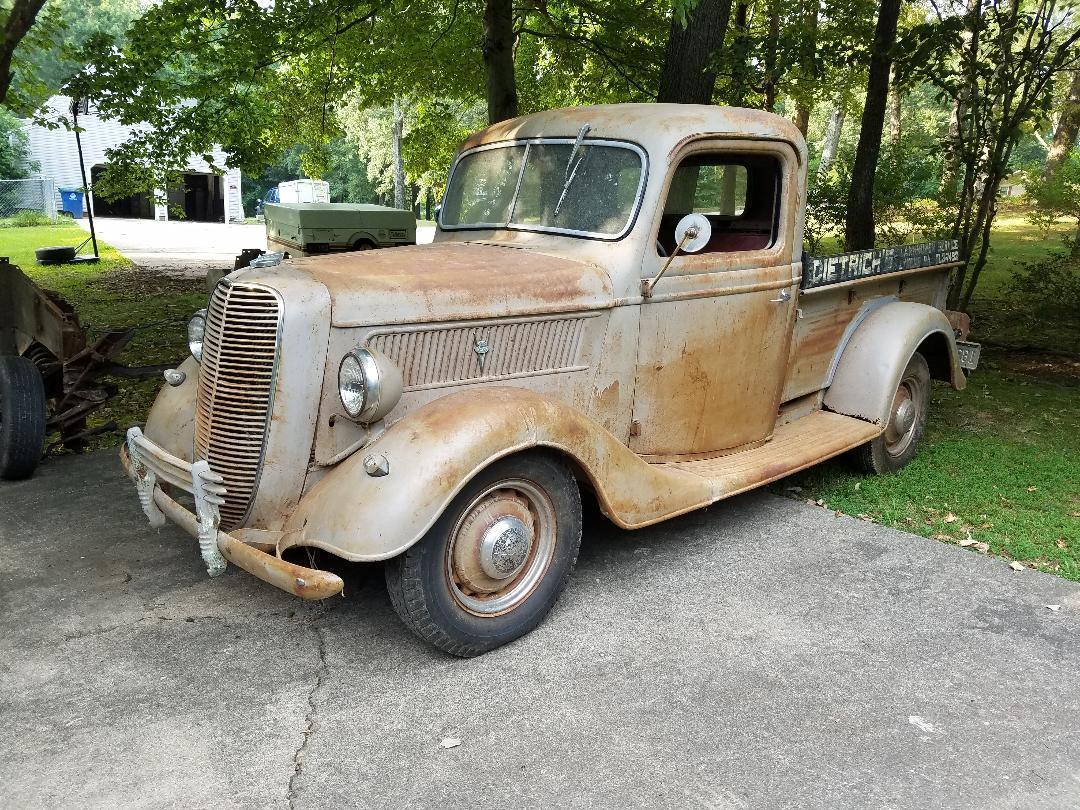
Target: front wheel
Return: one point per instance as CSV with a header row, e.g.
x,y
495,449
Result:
x,y
495,562
897,445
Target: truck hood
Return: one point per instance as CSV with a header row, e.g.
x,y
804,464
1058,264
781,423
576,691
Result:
x,y
449,281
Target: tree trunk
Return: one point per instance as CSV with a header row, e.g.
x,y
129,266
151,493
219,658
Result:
x,y
1068,128
832,136
498,53
399,164
19,22
802,117
685,77
772,45
950,167
740,47
807,57
859,228
895,100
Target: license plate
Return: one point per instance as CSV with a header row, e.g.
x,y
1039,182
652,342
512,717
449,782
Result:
x,y
969,354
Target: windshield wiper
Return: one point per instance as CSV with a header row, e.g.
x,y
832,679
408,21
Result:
x,y
571,166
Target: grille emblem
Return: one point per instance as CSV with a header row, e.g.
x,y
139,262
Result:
x,y
481,348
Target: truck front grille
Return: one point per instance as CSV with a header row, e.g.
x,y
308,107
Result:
x,y
236,389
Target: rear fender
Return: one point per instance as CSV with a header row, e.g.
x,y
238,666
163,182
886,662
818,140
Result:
x,y
436,450
874,358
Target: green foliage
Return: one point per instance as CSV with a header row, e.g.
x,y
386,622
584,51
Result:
x,y
1051,287
1055,196
49,56
26,219
904,196
15,162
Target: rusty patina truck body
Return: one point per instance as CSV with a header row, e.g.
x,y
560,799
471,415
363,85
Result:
x,y
615,305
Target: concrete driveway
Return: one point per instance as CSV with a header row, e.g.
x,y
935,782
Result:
x,y
187,248
762,653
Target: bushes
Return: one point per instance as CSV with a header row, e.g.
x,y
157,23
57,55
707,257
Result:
x,y
1050,286
27,219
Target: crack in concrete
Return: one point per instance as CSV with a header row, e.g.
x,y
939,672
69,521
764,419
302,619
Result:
x,y
100,631
309,718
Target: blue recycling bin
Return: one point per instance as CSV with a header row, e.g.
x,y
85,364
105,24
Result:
x,y
72,201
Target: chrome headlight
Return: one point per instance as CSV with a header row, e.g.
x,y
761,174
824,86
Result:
x,y
369,385
196,327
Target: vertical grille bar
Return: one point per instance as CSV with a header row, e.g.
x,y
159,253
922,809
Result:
x,y
236,388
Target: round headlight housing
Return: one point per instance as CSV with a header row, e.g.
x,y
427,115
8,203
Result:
x,y
369,385
196,328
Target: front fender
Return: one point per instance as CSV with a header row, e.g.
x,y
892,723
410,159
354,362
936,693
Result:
x,y
873,360
434,452
171,421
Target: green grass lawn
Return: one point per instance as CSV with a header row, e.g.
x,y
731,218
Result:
x,y
114,293
999,469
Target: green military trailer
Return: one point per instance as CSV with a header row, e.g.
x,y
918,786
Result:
x,y
307,229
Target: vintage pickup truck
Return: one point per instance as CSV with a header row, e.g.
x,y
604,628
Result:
x,y
616,307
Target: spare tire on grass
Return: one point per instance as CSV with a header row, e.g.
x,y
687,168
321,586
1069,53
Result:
x,y
54,255
22,417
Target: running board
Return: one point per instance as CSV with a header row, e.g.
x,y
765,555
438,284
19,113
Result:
x,y
793,447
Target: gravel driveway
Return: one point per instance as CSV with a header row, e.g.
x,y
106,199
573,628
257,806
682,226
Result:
x,y
761,653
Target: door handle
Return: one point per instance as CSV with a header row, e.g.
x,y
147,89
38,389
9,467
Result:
x,y
784,296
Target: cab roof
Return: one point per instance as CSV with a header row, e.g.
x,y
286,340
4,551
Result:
x,y
659,128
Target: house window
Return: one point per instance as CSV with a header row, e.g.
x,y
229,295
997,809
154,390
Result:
x,y
738,194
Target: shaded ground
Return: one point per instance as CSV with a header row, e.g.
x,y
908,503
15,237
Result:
x,y
762,653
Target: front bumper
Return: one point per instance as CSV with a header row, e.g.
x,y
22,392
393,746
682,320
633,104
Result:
x,y
149,465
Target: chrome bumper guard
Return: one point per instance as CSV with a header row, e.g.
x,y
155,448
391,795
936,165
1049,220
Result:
x,y
149,465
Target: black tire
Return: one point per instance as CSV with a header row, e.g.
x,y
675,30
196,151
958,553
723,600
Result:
x,y
54,255
363,244
424,582
22,417
897,445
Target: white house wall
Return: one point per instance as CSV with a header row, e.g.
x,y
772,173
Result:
x,y
58,157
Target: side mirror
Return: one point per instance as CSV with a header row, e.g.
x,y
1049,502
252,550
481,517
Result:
x,y
692,233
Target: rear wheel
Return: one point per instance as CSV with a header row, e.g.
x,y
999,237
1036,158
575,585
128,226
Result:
x,y
495,562
363,244
22,417
897,445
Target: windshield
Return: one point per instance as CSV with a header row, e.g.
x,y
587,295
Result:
x,y
536,186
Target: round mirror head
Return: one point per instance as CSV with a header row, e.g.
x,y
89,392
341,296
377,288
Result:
x,y
698,230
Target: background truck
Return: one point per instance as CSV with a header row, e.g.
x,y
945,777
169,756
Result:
x,y
304,229
616,308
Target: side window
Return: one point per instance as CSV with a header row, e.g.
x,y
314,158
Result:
x,y
737,193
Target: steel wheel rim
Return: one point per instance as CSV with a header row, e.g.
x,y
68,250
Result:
x,y
487,513
906,408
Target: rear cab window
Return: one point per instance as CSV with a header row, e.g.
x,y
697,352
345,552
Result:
x,y
738,193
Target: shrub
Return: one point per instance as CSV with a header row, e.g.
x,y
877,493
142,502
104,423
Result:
x,y
26,219
1050,286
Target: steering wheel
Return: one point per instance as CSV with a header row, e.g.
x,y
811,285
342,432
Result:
x,y
661,249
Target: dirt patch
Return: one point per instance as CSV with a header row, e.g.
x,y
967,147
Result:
x,y
1059,368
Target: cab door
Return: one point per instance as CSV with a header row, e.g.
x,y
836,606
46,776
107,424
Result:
x,y
715,333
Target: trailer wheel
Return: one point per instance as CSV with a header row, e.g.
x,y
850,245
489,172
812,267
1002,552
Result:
x,y
54,255
22,417
897,445
495,562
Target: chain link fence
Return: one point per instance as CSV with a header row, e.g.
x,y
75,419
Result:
x,y
35,194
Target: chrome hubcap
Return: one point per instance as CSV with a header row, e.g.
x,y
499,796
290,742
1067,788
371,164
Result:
x,y
504,547
501,547
904,417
